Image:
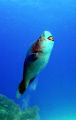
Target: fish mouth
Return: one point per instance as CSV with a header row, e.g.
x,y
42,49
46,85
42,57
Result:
x,y
50,38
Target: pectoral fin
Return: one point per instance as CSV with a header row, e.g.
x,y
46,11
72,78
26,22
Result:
x,y
32,57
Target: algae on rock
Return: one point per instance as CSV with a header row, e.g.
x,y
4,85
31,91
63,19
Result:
x,y
9,110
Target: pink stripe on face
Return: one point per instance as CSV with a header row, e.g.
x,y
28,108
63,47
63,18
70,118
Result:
x,y
36,47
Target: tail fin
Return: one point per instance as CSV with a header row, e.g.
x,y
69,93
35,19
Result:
x,y
21,89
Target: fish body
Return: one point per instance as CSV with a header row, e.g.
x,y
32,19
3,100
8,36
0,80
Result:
x,y
36,59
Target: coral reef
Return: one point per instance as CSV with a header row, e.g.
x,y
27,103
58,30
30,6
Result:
x,y
9,110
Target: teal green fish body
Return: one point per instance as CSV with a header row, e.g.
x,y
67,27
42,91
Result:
x,y
36,59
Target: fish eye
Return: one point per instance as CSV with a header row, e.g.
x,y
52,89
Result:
x,y
50,38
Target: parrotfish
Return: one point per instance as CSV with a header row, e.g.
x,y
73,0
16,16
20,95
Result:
x,y
36,59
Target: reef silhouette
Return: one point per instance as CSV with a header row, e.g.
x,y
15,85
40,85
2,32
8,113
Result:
x,y
9,110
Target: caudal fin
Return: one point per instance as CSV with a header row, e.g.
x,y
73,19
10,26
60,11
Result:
x,y
21,89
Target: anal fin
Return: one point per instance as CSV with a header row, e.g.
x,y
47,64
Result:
x,y
32,80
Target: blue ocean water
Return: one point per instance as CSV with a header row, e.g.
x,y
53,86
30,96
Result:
x,y
21,23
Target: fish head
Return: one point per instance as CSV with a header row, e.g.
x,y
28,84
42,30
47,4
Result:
x,y
46,41
43,44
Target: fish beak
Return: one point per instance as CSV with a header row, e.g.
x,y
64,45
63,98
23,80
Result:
x,y
50,38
